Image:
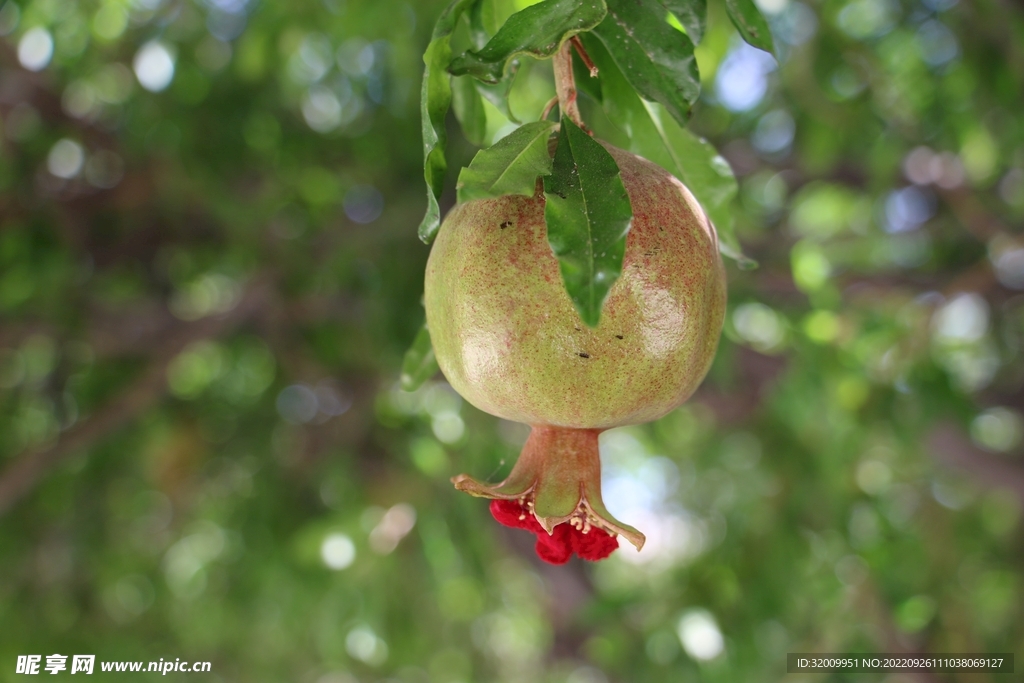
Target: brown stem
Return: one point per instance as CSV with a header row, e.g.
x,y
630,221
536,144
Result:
x,y
582,52
548,107
565,84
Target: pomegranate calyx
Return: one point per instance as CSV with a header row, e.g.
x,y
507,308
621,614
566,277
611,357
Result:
x,y
555,482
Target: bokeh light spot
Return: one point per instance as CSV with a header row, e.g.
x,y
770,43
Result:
x,y
337,551
297,404
35,49
742,80
65,159
699,633
154,66
363,204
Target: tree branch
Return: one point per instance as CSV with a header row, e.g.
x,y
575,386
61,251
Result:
x,y
19,478
565,84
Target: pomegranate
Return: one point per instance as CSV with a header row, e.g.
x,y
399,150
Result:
x,y
508,339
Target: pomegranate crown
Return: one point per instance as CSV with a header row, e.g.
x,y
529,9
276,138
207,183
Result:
x,y
554,491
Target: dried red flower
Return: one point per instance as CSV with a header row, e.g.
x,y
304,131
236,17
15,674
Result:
x,y
590,543
554,491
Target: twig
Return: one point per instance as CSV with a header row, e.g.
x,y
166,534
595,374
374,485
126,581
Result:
x,y
565,84
548,107
19,478
582,52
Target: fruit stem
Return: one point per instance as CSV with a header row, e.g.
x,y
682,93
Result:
x,y
565,84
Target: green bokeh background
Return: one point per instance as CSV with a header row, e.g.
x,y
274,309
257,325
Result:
x,y
206,290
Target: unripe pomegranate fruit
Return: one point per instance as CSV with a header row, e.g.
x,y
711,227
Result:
x,y
507,337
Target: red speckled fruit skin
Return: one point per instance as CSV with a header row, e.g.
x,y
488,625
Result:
x,y
508,339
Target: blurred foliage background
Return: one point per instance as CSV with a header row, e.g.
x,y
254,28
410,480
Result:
x,y
209,272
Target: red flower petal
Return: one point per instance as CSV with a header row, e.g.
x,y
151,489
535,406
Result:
x,y
558,547
511,513
594,545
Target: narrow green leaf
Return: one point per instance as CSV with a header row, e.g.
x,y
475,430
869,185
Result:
x,y
478,34
588,215
751,24
658,138
497,93
707,175
419,363
657,59
494,13
435,99
469,109
483,23
511,166
538,30
692,14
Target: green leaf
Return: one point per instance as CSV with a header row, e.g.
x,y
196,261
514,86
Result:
x,y
494,13
419,363
482,25
588,215
497,93
511,166
658,138
435,99
656,58
478,33
469,110
751,24
692,14
708,176
538,30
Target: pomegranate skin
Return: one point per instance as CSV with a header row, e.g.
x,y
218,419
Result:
x,y
508,339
